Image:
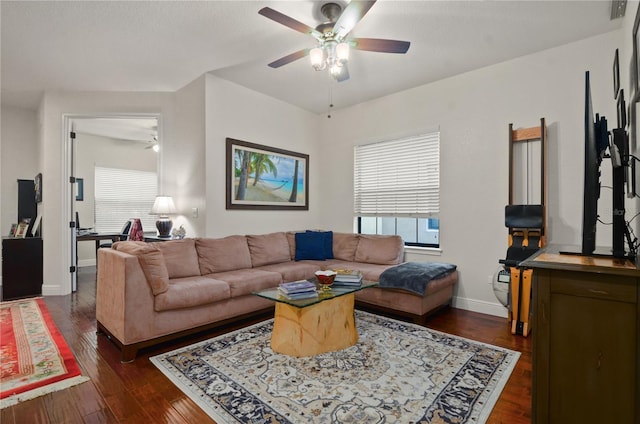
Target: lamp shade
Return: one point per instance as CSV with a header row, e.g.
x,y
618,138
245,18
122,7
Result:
x,y
163,206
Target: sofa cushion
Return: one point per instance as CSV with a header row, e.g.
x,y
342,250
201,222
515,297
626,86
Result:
x,y
344,246
151,261
310,246
245,281
223,254
180,257
370,272
154,268
291,238
191,291
268,249
328,242
379,249
293,271
132,247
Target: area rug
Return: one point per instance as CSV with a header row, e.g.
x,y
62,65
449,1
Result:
x,y
34,357
396,373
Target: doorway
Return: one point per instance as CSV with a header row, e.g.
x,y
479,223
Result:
x,y
103,142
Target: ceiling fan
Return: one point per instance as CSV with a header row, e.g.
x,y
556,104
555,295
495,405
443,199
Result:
x,y
333,47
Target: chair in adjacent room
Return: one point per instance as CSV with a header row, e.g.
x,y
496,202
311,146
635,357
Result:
x,y
124,235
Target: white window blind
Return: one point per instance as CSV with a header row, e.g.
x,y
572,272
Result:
x,y
122,194
398,178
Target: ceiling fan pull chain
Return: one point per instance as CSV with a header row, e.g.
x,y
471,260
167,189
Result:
x,y
330,98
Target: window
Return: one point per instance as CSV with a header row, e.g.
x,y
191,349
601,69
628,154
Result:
x,y
122,194
397,188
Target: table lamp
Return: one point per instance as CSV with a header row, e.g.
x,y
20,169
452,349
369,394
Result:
x,y
163,206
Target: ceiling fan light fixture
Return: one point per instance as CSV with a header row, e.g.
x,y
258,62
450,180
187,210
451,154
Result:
x,y
329,55
317,58
335,69
342,52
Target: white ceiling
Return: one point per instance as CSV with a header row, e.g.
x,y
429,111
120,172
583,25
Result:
x,y
164,45
144,130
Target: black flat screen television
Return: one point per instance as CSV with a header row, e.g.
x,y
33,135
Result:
x,y
596,142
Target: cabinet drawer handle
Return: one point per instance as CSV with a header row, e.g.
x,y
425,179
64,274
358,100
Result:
x,y
594,291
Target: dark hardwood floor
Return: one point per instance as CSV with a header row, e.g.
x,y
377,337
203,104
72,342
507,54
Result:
x,y
138,393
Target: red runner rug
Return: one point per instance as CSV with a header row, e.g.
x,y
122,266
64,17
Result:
x,y
34,357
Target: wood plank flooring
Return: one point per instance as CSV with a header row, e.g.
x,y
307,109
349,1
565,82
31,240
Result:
x,y
139,393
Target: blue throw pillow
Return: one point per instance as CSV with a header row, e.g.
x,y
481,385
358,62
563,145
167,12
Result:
x,y
328,242
310,246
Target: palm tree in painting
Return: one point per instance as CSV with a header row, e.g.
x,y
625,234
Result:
x,y
243,158
294,189
262,164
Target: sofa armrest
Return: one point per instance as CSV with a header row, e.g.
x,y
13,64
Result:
x,y
124,300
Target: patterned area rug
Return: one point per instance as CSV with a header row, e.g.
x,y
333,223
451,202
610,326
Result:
x,y
34,358
396,373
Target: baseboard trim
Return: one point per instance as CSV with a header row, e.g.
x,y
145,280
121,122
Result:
x,y
489,308
51,290
86,262
47,290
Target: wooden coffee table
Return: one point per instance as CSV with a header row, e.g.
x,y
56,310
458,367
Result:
x,y
308,327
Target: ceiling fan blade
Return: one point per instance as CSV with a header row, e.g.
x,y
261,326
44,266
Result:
x,y
289,22
289,58
351,16
380,45
344,73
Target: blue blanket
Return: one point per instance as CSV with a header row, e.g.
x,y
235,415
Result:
x,y
414,276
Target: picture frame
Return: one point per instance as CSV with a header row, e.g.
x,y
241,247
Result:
x,y
631,121
38,187
631,178
622,110
22,229
635,60
281,182
36,225
79,189
12,232
616,75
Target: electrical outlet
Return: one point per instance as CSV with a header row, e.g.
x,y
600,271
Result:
x,y
194,212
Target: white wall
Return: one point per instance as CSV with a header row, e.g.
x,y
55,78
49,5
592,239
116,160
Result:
x,y
236,112
473,112
184,153
19,147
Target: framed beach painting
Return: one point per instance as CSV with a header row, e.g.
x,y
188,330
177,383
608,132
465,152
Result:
x,y
262,177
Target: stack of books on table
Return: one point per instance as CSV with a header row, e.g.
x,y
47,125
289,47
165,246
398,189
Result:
x,y
348,278
295,290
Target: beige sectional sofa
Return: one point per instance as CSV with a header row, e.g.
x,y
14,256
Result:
x,y
151,292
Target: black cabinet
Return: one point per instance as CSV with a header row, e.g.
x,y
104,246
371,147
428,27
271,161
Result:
x,y
21,267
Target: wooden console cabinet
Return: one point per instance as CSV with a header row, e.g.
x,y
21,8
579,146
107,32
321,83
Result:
x,y
21,267
586,343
